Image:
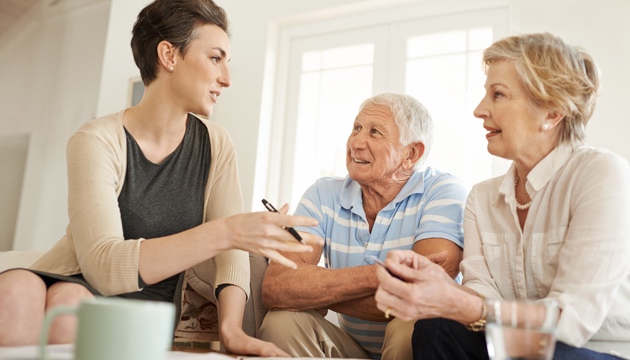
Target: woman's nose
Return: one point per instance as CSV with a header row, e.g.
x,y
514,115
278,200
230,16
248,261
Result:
x,y
481,110
225,79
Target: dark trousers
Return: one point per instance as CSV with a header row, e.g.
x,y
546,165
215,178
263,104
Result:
x,y
435,339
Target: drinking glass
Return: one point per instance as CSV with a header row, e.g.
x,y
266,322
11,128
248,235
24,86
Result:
x,y
521,330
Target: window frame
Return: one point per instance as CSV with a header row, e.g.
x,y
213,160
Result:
x,y
276,136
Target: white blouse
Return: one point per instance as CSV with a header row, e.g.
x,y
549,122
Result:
x,y
574,247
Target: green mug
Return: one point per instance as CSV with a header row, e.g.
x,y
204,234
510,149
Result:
x,y
117,328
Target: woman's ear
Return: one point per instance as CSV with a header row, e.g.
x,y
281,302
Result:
x,y
166,53
414,153
553,117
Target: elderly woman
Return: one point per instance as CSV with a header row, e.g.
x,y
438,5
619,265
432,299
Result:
x,y
386,202
555,226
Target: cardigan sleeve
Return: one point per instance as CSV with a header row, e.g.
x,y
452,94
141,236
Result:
x,y
94,244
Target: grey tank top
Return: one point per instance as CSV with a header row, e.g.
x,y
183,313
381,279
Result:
x,y
167,198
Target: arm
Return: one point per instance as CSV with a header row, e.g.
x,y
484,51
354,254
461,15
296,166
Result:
x,y
230,307
449,261
474,267
223,199
593,259
365,308
344,290
112,264
260,232
348,291
312,286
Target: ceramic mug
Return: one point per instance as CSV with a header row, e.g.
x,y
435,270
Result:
x,y
117,328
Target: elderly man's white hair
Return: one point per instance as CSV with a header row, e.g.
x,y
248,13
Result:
x,y
412,118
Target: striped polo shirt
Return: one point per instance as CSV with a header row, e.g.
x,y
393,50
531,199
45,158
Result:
x,y
430,205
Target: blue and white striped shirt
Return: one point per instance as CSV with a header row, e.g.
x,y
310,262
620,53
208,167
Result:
x,y
430,205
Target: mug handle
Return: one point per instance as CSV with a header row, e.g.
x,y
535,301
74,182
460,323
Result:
x,y
50,315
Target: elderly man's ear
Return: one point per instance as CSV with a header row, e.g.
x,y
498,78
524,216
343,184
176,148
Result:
x,y
414,154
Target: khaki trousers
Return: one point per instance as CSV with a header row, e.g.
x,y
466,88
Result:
x,y
309,334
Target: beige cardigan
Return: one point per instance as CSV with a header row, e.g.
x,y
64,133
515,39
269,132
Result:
x,y
94,243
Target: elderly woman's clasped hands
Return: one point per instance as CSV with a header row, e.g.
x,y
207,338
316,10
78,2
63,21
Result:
x,y
417,296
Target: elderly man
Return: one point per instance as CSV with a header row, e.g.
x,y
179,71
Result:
x,y
386,202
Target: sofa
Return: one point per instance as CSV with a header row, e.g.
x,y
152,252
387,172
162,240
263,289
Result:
x,y
13,259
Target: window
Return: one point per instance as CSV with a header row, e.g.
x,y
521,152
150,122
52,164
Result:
x,y
436,59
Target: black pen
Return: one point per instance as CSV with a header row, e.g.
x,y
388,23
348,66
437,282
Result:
x,y
289,229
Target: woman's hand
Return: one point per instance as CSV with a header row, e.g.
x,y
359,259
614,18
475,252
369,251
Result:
x,y
236,341
422,293
265,233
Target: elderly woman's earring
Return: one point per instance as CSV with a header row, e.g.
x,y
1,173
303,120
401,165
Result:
x,y
171,69
544,127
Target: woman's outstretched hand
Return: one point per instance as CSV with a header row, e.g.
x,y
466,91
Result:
x,y
265,233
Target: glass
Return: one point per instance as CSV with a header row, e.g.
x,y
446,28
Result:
x,y
444,71
328,104
440,43
521,330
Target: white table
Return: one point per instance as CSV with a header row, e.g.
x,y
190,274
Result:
x,y
66,352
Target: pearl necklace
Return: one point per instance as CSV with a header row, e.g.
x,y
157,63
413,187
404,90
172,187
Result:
x,y
519,205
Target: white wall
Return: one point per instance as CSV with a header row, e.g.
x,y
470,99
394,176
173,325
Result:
x,y
50,70
13,151
239,108
65,69
602,27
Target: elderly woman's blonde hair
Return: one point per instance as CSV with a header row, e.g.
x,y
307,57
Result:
x,y
556,75
412,118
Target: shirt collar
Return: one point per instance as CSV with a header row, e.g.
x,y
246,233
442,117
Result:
x,y
540,175
351,196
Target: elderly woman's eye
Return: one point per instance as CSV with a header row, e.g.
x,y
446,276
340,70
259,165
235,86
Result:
x,y
374,131
497,94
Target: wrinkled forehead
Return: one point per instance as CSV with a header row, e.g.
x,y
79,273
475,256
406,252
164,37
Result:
x,y
376,112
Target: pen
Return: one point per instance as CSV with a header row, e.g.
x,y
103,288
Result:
x,y
289,229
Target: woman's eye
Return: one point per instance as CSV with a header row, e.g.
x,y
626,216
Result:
x,y
356,128
497,94
374,131
216,59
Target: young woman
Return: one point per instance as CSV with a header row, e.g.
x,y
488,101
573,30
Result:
x,y
153,191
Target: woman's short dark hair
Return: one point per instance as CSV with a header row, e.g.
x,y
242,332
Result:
x,y
174,21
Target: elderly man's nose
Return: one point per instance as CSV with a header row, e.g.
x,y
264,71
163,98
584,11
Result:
x,y
356,141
